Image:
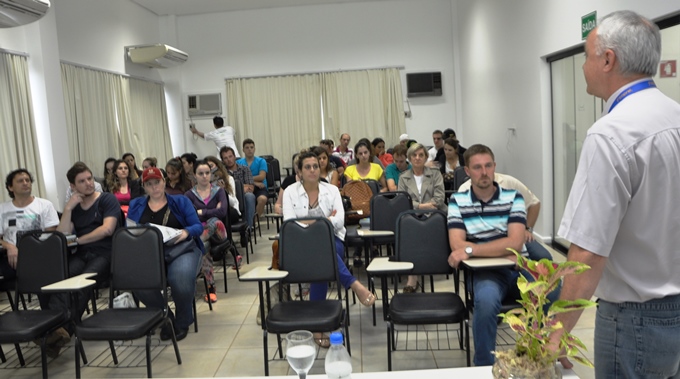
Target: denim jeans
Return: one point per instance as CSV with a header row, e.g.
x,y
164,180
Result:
x,y
317,291
249,208
638,340
490,288
536,251
182,281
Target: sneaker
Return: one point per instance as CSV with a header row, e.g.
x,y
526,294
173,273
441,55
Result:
x,y
358,263
239,262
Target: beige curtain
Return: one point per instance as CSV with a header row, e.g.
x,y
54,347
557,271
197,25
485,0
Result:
x,y
109,114
91,116
281,114
365,103
18,142
145,132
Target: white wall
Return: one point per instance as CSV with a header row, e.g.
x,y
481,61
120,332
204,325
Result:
x,y
415,34
506,82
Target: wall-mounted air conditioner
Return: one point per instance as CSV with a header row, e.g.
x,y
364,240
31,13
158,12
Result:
x,y
158,55
21,12
204,105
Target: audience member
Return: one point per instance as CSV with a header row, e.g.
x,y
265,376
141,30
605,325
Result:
x,y
425,185
312,198
108,173
135,172
122,187
188,161
336,162
93,217
343,151
219,176
210,202
483,222
535,250
243,175
23,213
403,139
222,135
451,167
258,168
394,169
379,151
365,169
327,171
178,213
178,182
438,140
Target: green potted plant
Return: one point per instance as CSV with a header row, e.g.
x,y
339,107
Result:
x,y
532,356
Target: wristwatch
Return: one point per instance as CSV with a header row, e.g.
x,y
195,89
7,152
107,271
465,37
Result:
x,y
530,229
468,251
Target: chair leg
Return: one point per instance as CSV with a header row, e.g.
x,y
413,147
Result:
x,y
114,356
3,359
79,345
389,346
22,362
207,291
278,343
467,341
77,357
195,319
175,345
347,344
266,353
148,355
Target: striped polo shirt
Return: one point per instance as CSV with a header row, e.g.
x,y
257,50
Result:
x,y
485,222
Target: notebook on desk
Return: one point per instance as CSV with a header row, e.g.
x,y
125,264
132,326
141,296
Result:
x,y
169,234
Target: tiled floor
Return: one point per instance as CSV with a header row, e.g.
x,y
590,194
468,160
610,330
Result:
x,y
229,342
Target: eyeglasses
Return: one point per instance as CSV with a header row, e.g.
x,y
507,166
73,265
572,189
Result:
x,y
311,167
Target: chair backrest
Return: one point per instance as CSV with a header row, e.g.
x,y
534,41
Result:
x,y
307,251
276,170
137,259
240,196
270,178
459,177
422,237
375,186
386,207
43,259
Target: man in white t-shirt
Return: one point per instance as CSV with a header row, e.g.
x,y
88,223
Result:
x,y
222,135
23,213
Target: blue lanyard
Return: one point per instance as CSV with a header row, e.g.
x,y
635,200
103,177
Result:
x,y
631,90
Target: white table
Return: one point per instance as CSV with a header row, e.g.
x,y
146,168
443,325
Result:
x,y
481,263
74,283
382,267
483,372
262,274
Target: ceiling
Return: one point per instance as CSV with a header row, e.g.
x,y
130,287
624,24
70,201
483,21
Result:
x,y
190,7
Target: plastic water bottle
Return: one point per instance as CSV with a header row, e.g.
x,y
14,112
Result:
x,y
338,362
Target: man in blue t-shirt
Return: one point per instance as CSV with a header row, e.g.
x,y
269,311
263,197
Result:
x,y
258,167
394,169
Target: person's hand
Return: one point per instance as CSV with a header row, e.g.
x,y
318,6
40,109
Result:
x,y
456,257
199,212
427,206
528,236
219,204
259,184
12,255
333,213
184,235
75,199
248,188
553,345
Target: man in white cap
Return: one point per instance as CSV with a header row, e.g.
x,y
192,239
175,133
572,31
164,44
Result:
x,y
403,139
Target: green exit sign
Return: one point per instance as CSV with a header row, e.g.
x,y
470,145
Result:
x,y
588,23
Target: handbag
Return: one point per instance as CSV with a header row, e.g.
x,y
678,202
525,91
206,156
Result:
x,y
173,250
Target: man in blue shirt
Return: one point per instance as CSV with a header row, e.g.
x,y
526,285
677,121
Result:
x,y
483,222
394,169
258,167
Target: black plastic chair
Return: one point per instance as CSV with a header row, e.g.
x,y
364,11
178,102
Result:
x,y
241,227
374,184
137,263
40,263
431,258
307,253
272,191
385,208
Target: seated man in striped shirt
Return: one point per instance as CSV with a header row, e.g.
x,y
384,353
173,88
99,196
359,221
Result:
x,y
483,222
